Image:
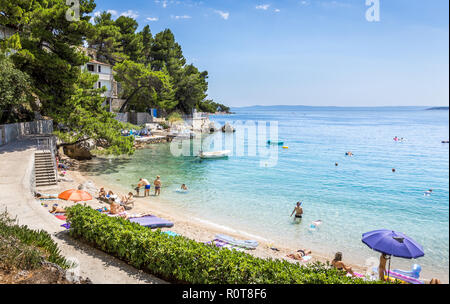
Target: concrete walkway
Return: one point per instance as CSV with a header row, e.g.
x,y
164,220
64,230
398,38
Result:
x,y
16,169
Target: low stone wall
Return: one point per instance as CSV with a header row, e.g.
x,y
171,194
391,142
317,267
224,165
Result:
x,y
13,132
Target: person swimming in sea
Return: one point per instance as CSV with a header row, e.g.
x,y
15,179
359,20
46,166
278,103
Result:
x,y
428,193
298,210
183,187
349,153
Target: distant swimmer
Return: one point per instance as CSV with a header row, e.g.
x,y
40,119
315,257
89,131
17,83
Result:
x,y
393,169
349,153
428,193
336,164
298,210
183,187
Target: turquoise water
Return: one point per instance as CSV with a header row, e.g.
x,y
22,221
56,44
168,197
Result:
x,y
359,195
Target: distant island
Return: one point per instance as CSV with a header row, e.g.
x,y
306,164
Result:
x,y
438,108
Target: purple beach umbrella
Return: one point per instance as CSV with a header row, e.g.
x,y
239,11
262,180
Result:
x,y
393,243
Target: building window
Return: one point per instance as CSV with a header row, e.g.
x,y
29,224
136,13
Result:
x,y
90,68
99,69
99,84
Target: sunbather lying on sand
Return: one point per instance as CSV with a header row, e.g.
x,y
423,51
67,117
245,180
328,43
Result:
x,y
116,208
44,196
299,254
56,209
338,264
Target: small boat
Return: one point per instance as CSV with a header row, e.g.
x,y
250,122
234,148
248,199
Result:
x,y
216,154
275,142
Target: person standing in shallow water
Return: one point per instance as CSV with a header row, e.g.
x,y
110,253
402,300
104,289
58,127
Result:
x,y
157,184
298,210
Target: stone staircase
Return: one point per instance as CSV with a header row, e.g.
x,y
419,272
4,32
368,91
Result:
x,y
44,170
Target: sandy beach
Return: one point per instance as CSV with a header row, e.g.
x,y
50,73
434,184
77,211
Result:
x,y
200,231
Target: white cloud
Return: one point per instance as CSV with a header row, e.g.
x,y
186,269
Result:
x,y
152,19
112,12
264,7
130,13
181,17
163,2
304,2
224,15
334,4
276,10
97,13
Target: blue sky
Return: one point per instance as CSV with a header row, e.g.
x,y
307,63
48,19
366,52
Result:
x,y
308,52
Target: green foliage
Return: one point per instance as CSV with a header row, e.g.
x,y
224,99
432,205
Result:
x,y
23,248
182,260
50,56
174,117
15,93
85,118
144,88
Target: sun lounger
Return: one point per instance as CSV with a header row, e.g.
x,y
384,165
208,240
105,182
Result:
x,y
151,221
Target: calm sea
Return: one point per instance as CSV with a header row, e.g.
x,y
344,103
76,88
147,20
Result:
x,y
360,194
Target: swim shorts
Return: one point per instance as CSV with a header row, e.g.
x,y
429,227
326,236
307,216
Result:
x,y
147,186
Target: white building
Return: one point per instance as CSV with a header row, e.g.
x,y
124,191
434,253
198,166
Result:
x,y
105,77
104,71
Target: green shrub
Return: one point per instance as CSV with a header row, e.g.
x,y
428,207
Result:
x,y
174,117
24,248
182,260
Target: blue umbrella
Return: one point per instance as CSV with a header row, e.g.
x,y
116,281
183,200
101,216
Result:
x,y
392,243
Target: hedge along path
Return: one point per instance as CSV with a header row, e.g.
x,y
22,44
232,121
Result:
x,y
182,260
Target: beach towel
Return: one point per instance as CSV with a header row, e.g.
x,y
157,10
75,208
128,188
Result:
x,y
397,276
304,259
151,221
61,217
247,244
171,233
222,244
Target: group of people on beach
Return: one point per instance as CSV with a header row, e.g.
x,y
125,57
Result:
x,y
118,204
146,184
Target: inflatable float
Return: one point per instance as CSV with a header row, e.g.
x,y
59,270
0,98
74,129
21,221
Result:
x,y
214,155
275,142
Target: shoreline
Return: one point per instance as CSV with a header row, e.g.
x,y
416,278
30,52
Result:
x,y
202,230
